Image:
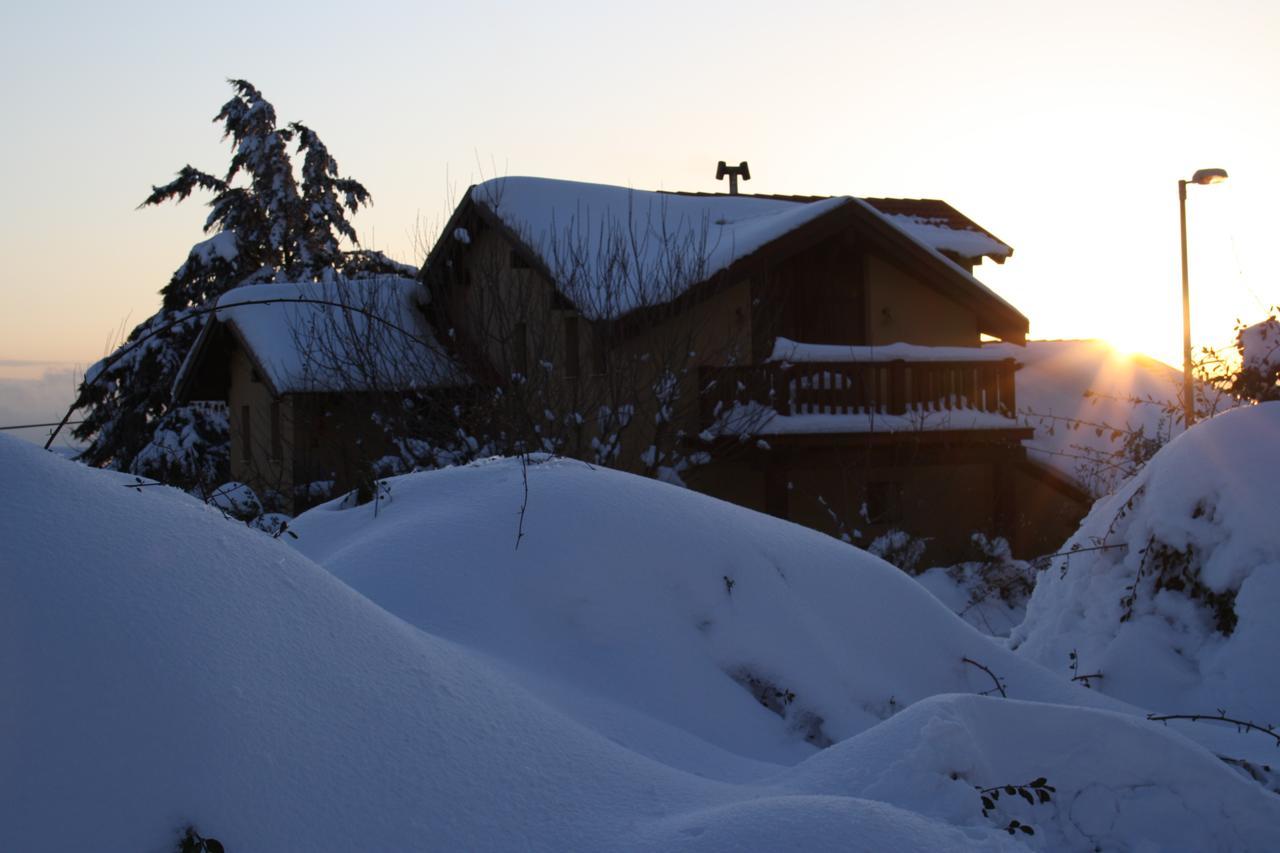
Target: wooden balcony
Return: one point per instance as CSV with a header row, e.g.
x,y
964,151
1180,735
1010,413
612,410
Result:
x,y
897,387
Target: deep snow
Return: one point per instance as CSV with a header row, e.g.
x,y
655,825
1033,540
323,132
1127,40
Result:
x,y
1204,511
163,665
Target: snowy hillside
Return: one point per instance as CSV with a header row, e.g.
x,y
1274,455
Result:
x,y
1175,596
1070,390
163,666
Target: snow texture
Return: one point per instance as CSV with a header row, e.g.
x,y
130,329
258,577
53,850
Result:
x,y
165,666
1198,524
332,343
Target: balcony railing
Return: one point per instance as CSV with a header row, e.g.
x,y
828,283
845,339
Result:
x,y
861,388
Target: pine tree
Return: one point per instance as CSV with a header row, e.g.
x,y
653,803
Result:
x,y
263,226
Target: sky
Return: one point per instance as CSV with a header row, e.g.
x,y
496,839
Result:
x,y
1062,128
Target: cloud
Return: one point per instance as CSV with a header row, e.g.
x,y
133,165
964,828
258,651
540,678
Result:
x,y
42,398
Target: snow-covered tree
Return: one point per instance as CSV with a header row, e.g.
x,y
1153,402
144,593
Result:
x,y
264,225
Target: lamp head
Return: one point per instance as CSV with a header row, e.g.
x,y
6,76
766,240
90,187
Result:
x,y
1209,176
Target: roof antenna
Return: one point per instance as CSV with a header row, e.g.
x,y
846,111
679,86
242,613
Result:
x,y
733,172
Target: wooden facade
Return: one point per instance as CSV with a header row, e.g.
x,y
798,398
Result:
x,y
846,278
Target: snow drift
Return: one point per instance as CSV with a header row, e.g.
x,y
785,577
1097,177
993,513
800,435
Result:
x,y
1174,595
646,609
162,665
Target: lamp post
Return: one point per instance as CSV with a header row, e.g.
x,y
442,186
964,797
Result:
x,y
1202,177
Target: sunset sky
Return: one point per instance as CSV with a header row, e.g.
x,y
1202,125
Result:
x,y
1063,128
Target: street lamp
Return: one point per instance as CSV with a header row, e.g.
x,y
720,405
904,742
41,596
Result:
x,y
1202,177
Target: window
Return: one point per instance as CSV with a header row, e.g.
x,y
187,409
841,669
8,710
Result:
x,y
571,368
246,435
517,261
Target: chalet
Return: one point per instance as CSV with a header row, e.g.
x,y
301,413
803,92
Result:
x,y
817,358
302,367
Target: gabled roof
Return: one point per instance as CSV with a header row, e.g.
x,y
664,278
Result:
x,y
931,221
612,250
332,337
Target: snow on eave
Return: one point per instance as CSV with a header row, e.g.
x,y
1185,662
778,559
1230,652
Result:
x,y
939,234
786,350
952,267
267,318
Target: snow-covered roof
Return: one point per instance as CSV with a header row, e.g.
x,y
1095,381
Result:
x,y
942,235
613,249
338,336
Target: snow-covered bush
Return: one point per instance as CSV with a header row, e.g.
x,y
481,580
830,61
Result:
x,y
990,591
899,548
236,500
1171,587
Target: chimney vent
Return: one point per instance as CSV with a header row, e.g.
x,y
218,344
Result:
x,y
733,172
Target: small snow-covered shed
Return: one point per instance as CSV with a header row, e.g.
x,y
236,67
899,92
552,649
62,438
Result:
x,y
302,366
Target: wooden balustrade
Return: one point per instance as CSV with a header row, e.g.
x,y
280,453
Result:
x,y
850,388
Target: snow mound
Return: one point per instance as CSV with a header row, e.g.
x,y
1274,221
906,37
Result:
x,y
697,632
1175,594
164,666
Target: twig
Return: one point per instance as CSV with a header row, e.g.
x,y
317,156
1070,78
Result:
x,y
999,685
524,503
1221,716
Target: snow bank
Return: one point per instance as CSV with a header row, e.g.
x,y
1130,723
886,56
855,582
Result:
x,y
647,610
164,666
1179,609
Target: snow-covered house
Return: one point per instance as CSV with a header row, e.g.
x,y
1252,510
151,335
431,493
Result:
x,y
303,368
817,358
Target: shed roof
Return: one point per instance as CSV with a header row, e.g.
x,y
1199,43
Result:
x,y
338,336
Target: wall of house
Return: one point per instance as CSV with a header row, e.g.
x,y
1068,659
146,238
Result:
x,y
828,490
1047,513
261,431
901,308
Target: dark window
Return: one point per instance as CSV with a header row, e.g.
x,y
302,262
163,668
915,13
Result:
x,y
571,346
884,502
246,435
517,261
520,349
277,445
254,376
